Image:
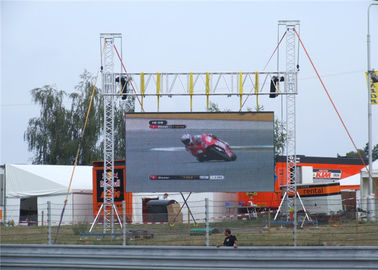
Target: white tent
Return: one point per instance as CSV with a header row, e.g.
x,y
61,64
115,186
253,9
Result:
x,y
364,185
28,188
351,181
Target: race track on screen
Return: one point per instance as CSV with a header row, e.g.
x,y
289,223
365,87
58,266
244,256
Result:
x,y
160,152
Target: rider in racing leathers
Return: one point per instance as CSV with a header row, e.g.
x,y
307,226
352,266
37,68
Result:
x,y
191,142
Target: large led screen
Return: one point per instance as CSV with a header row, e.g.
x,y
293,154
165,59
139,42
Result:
x,y
199,152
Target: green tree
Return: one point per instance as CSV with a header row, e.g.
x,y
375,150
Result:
x,y
55,135
363,152
91,149
354,154
374,151
121,108
213,107
280,137
47,135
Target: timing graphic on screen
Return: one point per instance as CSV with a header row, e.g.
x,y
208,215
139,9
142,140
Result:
x,y
199,152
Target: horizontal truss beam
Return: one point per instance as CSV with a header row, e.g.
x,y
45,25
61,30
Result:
x,y
200,84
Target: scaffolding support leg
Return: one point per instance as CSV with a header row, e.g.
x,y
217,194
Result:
x,y
182,206
186,203
96,218
279,208
304,209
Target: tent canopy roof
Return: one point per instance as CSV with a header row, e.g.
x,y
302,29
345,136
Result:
x,y
374,172
34,180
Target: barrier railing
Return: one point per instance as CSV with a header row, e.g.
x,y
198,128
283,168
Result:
x,y
253,226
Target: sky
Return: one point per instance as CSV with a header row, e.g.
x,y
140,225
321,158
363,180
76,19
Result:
x,y
53,42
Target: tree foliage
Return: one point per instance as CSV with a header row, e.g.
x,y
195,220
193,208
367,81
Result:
x,y
364,153
121,107
213,107
47,135
374,151
280,137
355,154
55,134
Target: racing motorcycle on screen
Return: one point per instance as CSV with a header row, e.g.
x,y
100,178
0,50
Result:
x,y
207,147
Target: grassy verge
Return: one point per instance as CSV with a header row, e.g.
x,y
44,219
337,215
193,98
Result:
x,y
249,233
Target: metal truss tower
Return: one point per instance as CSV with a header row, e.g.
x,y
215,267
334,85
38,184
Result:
x,y
291,195
291,89
108,92
108,88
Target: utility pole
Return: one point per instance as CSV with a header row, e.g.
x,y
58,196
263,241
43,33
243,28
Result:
x,y
371,195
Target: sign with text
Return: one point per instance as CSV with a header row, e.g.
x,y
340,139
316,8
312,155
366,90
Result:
x,y
118,185
373,85
325,174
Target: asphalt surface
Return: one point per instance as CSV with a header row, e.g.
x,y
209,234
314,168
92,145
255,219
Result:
x,y
253,169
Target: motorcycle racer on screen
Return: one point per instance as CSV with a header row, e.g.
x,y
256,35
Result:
x,y
207,147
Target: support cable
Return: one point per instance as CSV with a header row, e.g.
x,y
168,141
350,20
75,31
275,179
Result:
x,y
266,65
77,157
131,82
275,50
333,104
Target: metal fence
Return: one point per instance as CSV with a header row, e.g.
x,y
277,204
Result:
x,y
147,224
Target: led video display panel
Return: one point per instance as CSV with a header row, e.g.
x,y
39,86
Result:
x,y
199,152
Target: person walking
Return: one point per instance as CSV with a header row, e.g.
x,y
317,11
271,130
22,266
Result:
x,y
230,240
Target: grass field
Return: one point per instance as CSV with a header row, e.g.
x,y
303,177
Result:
x,y
249,233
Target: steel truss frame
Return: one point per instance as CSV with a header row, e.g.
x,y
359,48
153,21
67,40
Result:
x,y
198,84
108,88
291,87
201,83
290,192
